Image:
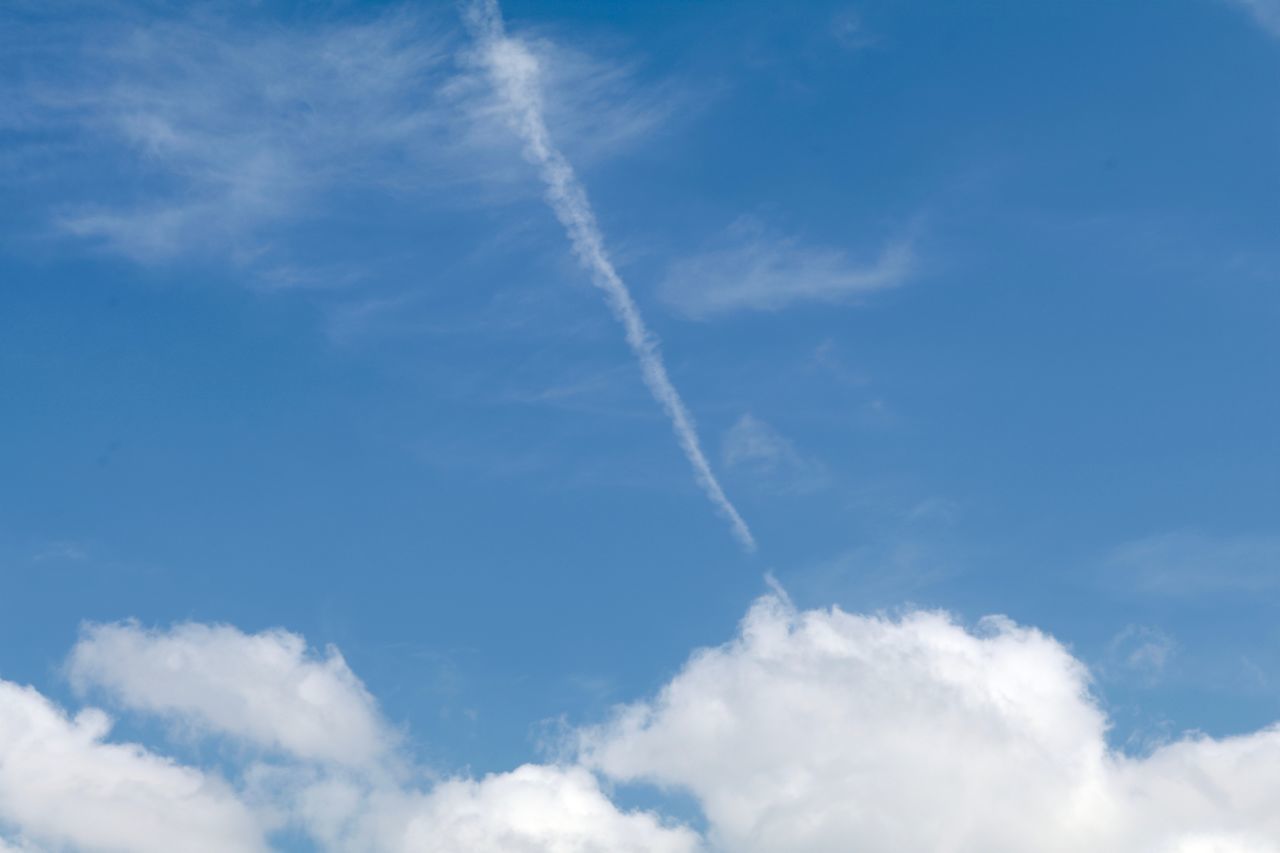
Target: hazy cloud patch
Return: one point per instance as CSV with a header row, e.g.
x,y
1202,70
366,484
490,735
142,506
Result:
x,y
756,450
1185,564
1265,12
754,269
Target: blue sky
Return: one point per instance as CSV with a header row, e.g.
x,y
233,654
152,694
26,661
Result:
x,y
974,307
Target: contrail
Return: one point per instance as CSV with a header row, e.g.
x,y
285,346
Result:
x,y
513,71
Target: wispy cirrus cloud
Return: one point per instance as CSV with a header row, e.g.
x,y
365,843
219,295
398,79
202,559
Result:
x,y
226,130
756,449
850,32
1139,653
222,126
1265,12
234,134
1186,564
514,71
755,269
62,551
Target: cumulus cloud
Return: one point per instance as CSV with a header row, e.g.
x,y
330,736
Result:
x,y
264,688
533,809
62,784
323,767
810,731
754,269
828,731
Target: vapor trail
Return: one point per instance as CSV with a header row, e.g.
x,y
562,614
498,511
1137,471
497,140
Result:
x,y
513,71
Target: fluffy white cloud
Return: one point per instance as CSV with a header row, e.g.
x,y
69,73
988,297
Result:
x,y
264,688
533,809
62,785
827,731
760,271
335,776
810,731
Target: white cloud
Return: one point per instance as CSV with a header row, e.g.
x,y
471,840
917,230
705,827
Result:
x,y
227,126
265,688
810,731
755,448
756,270
232,129
515,73
533,809
826,731
61,784
334,776
1265,12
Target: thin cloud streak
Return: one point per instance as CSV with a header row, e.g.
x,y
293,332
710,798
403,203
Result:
x,y
1265,12
513,71
755,269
